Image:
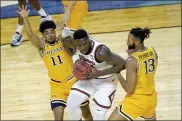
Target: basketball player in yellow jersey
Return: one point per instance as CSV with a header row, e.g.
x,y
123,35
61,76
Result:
x,y
74,12
58,62
141,97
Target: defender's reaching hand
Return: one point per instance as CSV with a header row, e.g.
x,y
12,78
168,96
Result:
x,y
23,11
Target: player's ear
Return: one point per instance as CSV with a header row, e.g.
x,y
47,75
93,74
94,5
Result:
x,y
90,41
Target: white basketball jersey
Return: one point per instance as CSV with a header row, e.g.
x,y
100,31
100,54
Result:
x,y
90,58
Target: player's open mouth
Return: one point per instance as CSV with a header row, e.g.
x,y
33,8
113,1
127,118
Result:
x,y
84,51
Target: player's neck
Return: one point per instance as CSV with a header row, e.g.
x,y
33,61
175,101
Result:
x,y
140,48
52,43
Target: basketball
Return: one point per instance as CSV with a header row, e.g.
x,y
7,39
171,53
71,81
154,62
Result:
x,y
80,68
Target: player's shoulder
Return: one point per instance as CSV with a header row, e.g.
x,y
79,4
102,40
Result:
x,y
99,48
156,55
103,50
131,60
153,49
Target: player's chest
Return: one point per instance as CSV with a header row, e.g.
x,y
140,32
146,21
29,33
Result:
x,y
53,54
53,50
88,58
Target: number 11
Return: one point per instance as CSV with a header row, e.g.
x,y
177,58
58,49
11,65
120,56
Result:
x,y
59,60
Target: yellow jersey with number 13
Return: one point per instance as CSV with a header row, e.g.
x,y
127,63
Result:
x,y
58,62
147,65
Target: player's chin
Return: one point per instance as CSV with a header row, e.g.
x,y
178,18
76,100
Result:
x,y
83,52
52,41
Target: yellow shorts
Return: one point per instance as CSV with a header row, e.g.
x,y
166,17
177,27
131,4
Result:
x,y
77,14
134,106
59,92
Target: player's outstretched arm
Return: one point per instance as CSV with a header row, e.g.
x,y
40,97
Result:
x,y
65,37
68,11
32,36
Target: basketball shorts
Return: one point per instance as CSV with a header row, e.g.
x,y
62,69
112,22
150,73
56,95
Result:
x,y
77,14
134,106
59,92
102,90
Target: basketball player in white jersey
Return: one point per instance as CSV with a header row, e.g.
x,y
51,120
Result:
x,y
100,83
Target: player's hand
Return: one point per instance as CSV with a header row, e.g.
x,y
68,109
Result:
x,y
95,73
60,25
66,16
23,11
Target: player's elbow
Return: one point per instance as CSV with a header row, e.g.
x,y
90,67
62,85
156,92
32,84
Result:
x,y
130,90
31,35
122,64
118,69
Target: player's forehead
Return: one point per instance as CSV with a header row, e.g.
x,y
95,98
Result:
x,y
83,40
49,30
129,35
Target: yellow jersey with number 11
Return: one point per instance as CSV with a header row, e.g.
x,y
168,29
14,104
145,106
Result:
x,y
58,62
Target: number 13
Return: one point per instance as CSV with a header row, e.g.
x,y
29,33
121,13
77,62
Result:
x,y
149,65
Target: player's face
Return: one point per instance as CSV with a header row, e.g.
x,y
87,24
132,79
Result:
x,y
83,45
50,35
131,42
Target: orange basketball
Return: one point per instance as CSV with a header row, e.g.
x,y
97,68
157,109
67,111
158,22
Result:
x,y
80,68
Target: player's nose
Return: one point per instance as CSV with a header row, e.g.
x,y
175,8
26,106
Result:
x,y
83,47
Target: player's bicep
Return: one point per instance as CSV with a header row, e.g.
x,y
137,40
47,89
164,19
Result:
x,y
111,58
104,54
69,45
131,76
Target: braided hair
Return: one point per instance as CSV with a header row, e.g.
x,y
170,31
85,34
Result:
x,y
140,33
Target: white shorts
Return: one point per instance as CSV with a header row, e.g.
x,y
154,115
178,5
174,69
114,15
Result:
x,y
102,90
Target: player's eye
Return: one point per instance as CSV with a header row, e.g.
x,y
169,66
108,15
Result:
x,y
46,33
52,32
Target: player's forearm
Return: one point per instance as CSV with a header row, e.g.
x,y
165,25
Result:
x,y
122,81
27,27
124,84
32,36
112,70
68,8
70,4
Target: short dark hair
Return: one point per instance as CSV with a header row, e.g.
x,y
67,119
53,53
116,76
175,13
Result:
x,y
79,34
47,25
140,33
